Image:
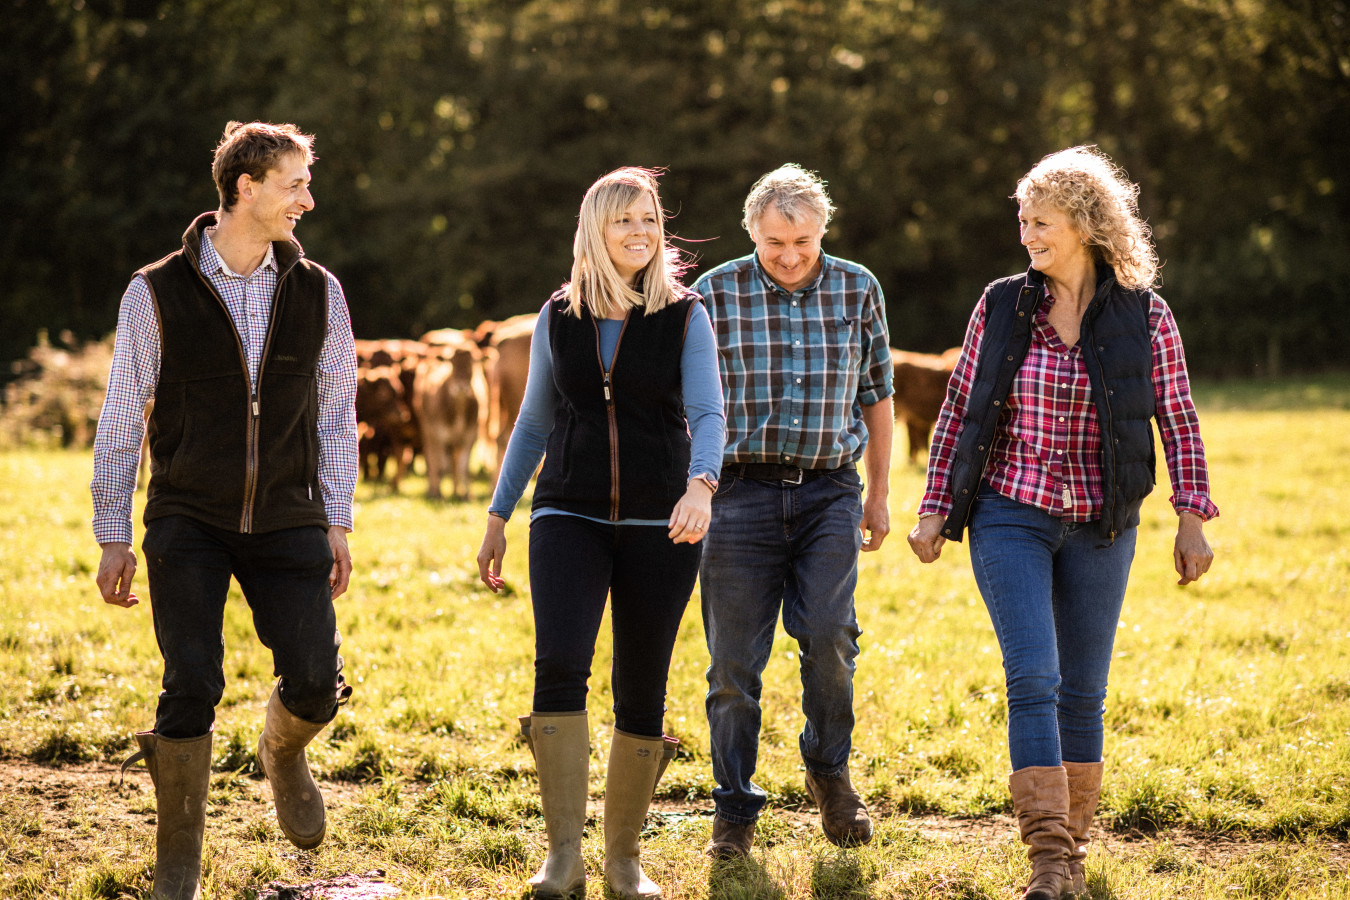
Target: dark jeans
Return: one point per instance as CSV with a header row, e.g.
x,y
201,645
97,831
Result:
x,y
1054,590
574,564
284,577
791,549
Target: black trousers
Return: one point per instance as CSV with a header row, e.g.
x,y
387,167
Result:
x,y
574,565
284,577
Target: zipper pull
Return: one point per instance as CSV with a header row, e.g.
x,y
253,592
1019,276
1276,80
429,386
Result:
x,y
608,397
1068,498
255,406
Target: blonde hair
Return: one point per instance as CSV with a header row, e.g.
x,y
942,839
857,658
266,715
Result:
x,y
595,283
794,191
1095,193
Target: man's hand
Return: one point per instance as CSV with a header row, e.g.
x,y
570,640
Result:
x,y
876,520
341,575
1191,554
116,569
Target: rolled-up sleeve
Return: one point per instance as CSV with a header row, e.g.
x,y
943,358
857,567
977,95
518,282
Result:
x,y
1178,424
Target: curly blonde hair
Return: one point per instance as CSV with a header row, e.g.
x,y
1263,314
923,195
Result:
x,y
1084,183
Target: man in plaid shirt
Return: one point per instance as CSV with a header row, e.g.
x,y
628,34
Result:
x,y
246,348
806,369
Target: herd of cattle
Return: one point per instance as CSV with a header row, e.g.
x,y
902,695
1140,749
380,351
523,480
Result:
x,y
450,390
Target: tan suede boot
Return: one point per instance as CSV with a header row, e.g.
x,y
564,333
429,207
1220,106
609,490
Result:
x,y
843,815
1040,796
180,770
1085,790
635,766
281,756
560,743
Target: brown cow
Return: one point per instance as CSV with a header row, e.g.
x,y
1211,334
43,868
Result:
x,y
920,387
507,367
403,356
385,423
449,395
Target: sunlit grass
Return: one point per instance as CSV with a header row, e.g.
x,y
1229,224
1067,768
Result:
x,y
1227,713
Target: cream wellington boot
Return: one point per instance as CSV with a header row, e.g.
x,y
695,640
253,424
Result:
x,y
281,756
180,770
1085,790
560,743
635,766
1040,796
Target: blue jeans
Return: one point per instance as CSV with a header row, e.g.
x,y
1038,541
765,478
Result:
x,y
575,564
776,546
1054,591
284,578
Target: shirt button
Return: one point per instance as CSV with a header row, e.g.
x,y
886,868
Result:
x,y
796,343
1061,452
1061,418
799,381
796,421
794,302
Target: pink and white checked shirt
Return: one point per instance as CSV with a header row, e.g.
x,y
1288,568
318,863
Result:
x,y
135,374
1047,446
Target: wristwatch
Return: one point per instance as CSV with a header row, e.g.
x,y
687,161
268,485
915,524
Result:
x,y
707,479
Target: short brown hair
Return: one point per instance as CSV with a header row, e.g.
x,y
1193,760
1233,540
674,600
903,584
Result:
x,y
252,149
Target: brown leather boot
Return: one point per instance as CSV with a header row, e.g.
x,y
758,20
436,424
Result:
x,y
1040,796
843,815
281,756
1085,790
180,770
730,840
636,764
560,743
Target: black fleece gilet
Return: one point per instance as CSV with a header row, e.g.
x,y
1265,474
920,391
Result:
x,y
619,447
219,453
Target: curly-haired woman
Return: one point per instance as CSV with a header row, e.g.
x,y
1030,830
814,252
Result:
x,y
1044,450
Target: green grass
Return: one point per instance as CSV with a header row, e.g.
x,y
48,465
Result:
x,y
1228,721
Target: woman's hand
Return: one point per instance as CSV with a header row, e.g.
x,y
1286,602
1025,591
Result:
x,y
491,554
1191,554
692,514
926,538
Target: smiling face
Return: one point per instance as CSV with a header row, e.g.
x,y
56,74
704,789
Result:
x,y
633,236
788,251
279,199
1055,245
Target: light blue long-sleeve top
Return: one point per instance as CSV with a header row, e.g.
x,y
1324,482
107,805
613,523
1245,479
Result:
x,y
701,388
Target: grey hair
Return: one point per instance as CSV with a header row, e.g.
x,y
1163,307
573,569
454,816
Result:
x,y
795,192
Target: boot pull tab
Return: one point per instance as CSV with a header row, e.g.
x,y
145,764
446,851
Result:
x,y
525,731
143,753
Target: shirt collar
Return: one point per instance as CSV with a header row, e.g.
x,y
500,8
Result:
x,y
825,262
212,263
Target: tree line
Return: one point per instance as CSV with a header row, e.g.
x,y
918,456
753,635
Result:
x,y
456,137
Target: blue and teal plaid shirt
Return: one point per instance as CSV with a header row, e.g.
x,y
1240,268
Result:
x,y
797,368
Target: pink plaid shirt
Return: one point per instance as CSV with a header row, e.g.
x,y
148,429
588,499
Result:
x,y
1047,447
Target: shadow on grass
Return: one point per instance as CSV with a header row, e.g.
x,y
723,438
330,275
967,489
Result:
x,y
743,879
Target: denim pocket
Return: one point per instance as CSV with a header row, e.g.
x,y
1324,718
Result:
x,y
847,478
725,485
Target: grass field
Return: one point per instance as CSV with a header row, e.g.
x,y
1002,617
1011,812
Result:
x,y
1228,721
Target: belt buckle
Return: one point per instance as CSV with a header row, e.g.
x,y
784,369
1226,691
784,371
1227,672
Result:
x,y
799,476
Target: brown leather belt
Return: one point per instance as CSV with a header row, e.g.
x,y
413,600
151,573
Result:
x,y
779,473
